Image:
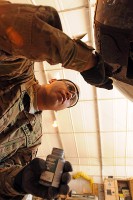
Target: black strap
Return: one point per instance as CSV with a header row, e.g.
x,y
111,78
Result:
x,y
26,102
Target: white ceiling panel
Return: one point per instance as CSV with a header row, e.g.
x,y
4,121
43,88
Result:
x,y
63,4
107,161
105,115
64,121
110,171
82,117
48,119
120,171
54,140
108,144
94,161
71,4
114,112
109,94
92,145
75,162
120,144
129,161
94,170
129,144
80,140
52,3
80,27
69,145
129,118
84,161
91,169
129,171
120,161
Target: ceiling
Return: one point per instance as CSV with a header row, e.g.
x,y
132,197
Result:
x,y
97,133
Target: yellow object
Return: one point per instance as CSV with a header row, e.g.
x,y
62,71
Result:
x,y
83,175
121,195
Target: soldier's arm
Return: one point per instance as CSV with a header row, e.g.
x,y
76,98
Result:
x,y
10,168
7,176
34,33
31,33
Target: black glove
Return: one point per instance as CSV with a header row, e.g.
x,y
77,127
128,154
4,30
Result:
x,y
99,75
27,180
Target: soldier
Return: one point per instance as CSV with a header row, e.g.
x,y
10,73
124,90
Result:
x,y
21,101
28,34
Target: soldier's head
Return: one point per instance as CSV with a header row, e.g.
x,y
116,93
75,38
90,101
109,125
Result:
x,y
57,95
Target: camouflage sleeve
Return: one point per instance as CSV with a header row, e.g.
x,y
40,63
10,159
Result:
x,y
24,155
7,176
11,168
35,33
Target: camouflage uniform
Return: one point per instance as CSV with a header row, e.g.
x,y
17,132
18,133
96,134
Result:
x,y
20,131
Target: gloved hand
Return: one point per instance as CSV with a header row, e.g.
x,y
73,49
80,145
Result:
x,y
27,180
99,75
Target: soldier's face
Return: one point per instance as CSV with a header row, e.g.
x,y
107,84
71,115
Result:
x,y
60,95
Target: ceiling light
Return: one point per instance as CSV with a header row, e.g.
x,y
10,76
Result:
x,y
55,124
